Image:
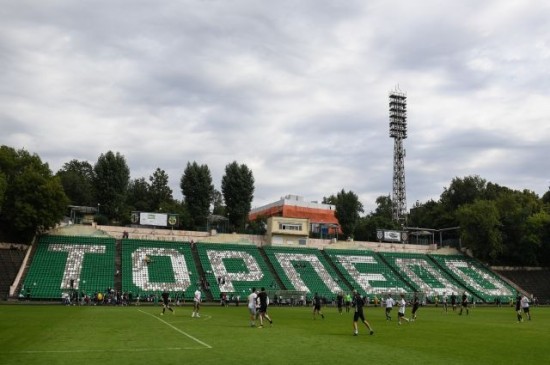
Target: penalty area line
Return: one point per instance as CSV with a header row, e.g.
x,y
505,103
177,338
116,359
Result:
x,y
177,329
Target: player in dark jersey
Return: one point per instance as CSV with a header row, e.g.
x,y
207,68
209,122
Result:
x,y
416,305
518,308
317,306
166,303
340,301
264,302
464,304
358,304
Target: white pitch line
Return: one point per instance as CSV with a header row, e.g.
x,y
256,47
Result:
x,y
102,350
177,329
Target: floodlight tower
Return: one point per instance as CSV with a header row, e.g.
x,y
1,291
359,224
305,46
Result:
x,y
398,131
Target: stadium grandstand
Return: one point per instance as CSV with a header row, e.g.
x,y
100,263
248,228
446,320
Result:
x,y
99,263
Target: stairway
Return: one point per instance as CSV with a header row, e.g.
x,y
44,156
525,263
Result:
x,y
202,274
118,266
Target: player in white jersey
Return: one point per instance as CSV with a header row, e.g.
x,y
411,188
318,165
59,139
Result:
x,y
389,305
525,306
401,314
196,303
252,307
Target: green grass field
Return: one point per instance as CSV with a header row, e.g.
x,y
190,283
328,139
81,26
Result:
x,y
55,334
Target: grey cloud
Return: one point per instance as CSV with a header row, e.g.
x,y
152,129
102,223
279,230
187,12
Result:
x,y
297,90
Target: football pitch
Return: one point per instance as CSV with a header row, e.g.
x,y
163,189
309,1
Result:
x,y
56,334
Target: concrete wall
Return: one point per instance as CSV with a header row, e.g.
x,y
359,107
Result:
x,y
157,234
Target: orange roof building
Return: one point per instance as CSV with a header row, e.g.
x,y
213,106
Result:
x,y
293,206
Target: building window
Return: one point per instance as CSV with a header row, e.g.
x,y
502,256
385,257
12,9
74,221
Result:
x,y
290,226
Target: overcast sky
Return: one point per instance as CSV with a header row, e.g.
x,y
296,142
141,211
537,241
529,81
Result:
x,y
296,90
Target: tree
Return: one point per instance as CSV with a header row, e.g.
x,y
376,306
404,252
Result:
x,y
479,223
426,215
515,208
381,218
257,226
39,202
546,198
198,192
493,191
218,207
238,192
463,191
535,243
384,207
137,197
3,188
111,179
177,207
542,230
363,230
159,191
33,199
347,212
77,181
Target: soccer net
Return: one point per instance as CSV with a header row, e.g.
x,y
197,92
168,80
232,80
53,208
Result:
x,y
287,297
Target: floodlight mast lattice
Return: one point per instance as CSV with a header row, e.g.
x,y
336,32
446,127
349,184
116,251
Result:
x,y
398,131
